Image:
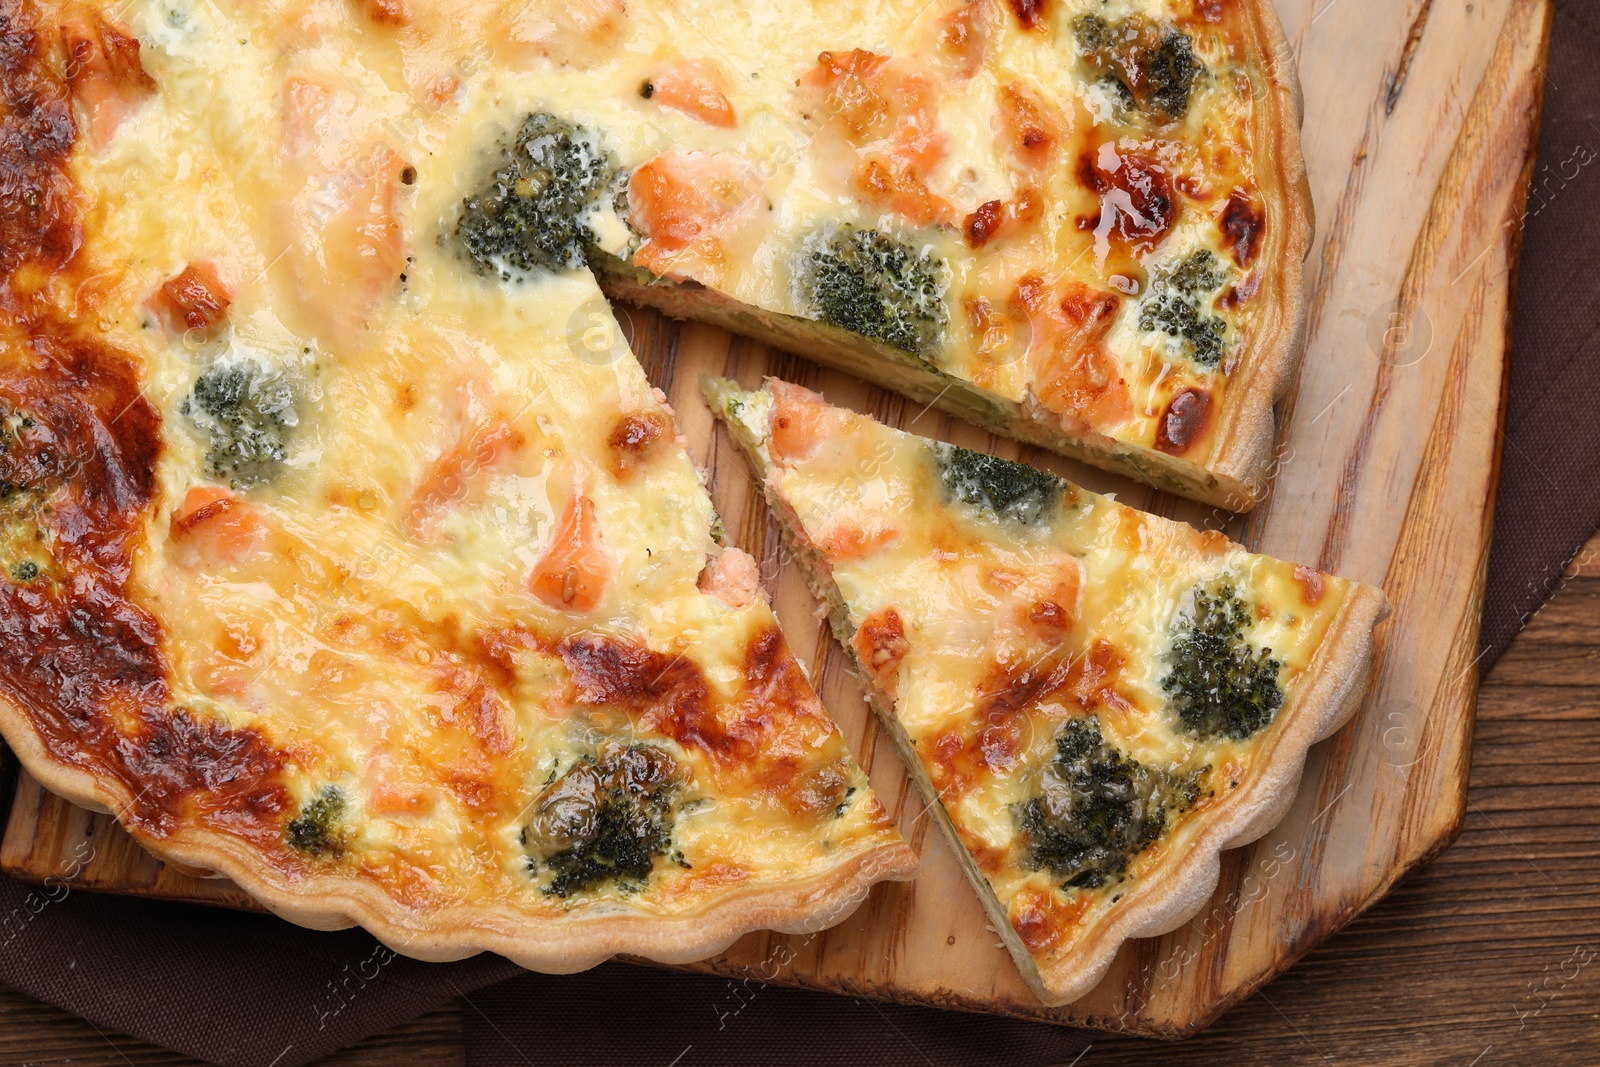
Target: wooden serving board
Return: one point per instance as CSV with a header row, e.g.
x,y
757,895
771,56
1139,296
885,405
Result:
x,y
1419,128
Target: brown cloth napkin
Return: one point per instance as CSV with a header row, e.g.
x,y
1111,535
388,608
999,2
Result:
x,y
234,989
1549,502
618,1014
247,991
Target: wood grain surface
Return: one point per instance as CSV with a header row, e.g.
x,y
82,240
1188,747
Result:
x,y
1474,960
1419,132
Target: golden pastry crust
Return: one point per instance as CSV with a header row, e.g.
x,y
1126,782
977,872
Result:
x,y
1242,458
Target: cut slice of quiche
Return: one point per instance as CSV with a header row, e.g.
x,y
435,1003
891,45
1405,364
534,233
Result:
x,y
334,564
1095,701
1078,222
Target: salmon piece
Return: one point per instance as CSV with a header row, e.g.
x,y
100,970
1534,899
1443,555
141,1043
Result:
x,y
104,73
896,187
197,499
918,140
350,246
571,32
962,37
1053,616
876,102
800,422
215,526
573,573
360,251
1312,585
679,200
997,218
305,108
1029,125
236,663
635,438
850,542
347,243
392,791
441,89
984,224
481,446
887,113
993,334
387,12
880,645
1072,374
694,87
193,299
1186,422
732,577
848,83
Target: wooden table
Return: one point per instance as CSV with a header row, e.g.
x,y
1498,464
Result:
x,y
1489,956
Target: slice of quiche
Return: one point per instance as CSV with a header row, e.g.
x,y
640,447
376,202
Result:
x,y
1077,222
334,564
1095,701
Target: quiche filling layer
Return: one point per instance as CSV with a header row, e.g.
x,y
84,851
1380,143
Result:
x,y
1079,687
344,542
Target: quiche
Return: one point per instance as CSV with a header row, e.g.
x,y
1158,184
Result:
x,y
1078,223
1094,701
337,562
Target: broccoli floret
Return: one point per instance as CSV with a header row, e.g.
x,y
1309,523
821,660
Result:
x,y
844,803
1120,94
1219,683
32,461
1198,274
1171,72
997,487
606,819
1093,33
1175,303
876,285
247,410
1097,808
318,829
530,212
1157,67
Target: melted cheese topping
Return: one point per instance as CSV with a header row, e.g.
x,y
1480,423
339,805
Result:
x,y
473,557
987,635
